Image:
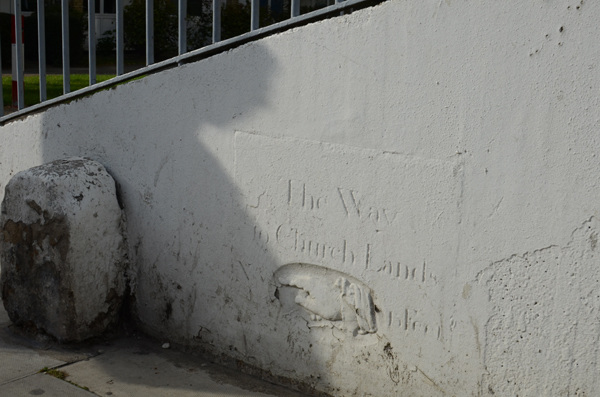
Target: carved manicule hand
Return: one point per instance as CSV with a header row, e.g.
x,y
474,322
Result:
x,y
330,295
358,298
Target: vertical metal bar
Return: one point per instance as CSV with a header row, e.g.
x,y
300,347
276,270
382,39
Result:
x,y
149,32
19,55
1,84
65,47
295,8
254,15
92,40
216,23
120,42
41,48
181,23
337,2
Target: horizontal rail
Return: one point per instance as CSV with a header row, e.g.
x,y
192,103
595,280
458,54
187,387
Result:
x,y
216,47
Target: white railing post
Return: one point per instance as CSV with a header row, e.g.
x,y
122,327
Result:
x,y
2,91
216,21
182,25
18,64
149,32
254,15
65,47
120,40
295,8
41,48
92,41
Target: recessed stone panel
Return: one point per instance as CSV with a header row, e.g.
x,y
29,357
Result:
x,y
364,242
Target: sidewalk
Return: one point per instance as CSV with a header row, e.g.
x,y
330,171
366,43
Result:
x,y
127,367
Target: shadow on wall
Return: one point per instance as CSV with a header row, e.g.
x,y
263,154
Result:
x,y
199,271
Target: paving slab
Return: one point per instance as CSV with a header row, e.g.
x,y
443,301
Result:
x,y
138,367
42,384
131,366
18,361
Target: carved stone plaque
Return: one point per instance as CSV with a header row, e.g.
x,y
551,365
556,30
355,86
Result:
x,y
360,241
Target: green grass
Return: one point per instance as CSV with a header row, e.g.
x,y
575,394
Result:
x,y
62,375
54,372
54,86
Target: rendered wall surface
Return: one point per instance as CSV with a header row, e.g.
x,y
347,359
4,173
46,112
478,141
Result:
x,y
399,201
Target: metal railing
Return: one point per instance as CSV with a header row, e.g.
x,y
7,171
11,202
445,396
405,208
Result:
x,y
255,31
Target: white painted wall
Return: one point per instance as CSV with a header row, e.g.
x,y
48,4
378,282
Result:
x,y
442,156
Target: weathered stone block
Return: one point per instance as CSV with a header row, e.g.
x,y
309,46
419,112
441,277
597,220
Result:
x,y
62,249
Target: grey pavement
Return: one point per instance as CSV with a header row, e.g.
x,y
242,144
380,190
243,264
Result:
x,y
129,366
